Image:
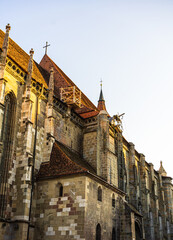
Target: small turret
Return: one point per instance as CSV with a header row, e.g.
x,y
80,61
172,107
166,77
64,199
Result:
x,y
101,101
162,170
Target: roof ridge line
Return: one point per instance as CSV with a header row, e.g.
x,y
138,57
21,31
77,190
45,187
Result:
x,y
77,153
68,79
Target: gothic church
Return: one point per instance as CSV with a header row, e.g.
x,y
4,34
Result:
x,y
66,170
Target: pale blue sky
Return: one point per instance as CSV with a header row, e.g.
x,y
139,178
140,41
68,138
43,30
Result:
x,y
129,44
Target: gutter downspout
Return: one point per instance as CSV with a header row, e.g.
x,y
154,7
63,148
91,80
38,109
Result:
x,y
33,168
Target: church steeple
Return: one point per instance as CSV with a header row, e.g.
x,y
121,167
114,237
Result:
x,y
101,102
101,98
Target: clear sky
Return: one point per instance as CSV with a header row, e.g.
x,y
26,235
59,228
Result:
x,y
129,44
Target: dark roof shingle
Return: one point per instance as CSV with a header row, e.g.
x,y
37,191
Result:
x,y
62,81
63,161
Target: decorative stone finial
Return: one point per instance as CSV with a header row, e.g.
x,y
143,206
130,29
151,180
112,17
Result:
x,y
51,79
162,170
3,51
6,39
31,52
8,27
5,43
51,87
30,67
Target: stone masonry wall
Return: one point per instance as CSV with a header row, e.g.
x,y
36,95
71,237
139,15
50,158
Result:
x,y
101,212
60,217
90,148
68,132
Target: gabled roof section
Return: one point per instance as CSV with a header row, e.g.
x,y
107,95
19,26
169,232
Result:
x,y
21,58
62,81
63,161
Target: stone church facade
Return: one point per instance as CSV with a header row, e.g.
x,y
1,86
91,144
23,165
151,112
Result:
x,y
66,170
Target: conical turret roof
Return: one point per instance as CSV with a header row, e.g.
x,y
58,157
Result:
x,y
101,102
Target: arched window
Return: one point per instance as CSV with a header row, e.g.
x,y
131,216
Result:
x,y
98,232
113,234
7,136
99,194
113,200
60,190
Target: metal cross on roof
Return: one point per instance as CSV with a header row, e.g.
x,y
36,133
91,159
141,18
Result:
x,y
47,45
101,82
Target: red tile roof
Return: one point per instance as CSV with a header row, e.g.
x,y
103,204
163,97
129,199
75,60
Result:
x,y
63,161
89,114
41,74
21,58
101,105
61,81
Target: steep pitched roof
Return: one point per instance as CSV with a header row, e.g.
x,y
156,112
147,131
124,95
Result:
x,y
41,74
101,102
63,161
62,81
21,58
101,98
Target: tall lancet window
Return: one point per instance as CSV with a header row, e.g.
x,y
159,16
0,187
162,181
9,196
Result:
x,y
7,136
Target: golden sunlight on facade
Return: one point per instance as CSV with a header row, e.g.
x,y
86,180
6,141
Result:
x,y
66,170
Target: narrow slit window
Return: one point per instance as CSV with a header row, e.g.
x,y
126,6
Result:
x,y
99,196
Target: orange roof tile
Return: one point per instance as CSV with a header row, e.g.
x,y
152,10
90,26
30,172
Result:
x,y
62,80
41,74
101,105
21,58
89,114
63,161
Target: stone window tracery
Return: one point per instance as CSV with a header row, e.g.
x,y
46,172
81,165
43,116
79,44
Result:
x,y
7,135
